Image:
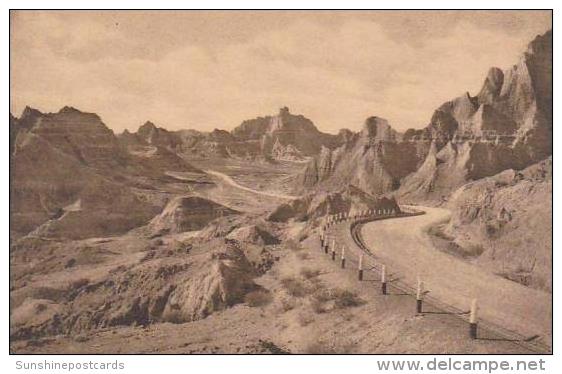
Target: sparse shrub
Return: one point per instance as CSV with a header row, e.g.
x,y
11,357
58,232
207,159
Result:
x,y
287,304
294,287
324,294
322,347
180,247
345,299
273,348
258,298
319,299
439,231
70,263
157,242
309,273
81,338
342,299
318,306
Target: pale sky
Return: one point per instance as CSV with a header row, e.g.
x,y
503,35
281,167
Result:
x,y
206,70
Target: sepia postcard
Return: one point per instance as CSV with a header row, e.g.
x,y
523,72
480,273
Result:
x,y
281,182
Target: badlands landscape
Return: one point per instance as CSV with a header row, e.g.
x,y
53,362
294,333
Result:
x,y
160,241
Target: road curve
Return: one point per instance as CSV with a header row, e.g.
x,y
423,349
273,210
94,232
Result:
x,y
227,179
405,247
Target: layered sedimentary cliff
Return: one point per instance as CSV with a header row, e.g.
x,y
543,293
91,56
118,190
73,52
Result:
x,y
508,125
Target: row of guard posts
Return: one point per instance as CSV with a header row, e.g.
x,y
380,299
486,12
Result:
x,y
334,219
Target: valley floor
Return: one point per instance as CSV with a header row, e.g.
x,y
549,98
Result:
x,y
315,306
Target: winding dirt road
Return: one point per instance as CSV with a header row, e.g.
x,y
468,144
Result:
x,y
405,247
227,179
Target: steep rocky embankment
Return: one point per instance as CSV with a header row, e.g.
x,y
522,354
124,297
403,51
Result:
x,y
177,282
504,223
500,142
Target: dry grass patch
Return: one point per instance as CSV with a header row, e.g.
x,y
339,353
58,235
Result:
x,y
295,287
346,299
325,299
318,306
286,304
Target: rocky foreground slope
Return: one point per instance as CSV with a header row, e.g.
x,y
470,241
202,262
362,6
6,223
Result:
x,y
104,286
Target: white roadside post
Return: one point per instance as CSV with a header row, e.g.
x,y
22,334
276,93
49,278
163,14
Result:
x,y
343,257
334,250
383,279
473,323
360,275
419,296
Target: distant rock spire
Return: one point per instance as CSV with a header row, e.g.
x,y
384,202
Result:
x,y
284,111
